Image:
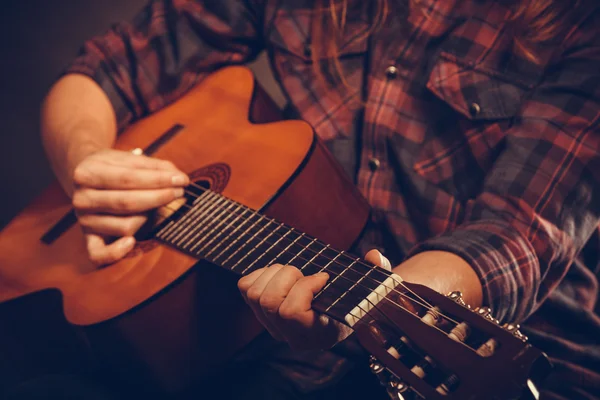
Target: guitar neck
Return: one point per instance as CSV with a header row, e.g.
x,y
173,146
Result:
x,y
241,240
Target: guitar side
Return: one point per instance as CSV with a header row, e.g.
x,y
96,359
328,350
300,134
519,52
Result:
x,y
158,314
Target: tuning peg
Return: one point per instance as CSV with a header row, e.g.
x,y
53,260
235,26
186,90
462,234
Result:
x,y
375,366
485,312
457,297
396,389
379,370
521,336
448,385
460,332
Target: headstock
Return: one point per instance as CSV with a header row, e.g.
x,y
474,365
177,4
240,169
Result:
x,y
437,347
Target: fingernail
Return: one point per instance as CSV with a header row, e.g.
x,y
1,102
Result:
x,y
127,242
384,262
322,274
179,180
178,192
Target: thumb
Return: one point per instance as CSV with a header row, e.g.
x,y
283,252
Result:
x,y
375,257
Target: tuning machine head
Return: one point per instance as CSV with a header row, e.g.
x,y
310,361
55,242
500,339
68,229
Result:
x,y
457,296
515,330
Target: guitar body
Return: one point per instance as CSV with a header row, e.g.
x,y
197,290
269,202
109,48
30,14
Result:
x,y
159,317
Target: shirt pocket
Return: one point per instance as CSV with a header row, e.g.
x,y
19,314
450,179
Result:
x,y
476,107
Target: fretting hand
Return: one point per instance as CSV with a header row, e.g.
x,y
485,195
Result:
x,y
113,191
281,296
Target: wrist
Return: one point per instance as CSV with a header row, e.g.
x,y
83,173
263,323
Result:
x,y
444,272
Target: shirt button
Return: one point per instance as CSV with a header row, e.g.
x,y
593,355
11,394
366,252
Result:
x,y
474,109
374,164
391,72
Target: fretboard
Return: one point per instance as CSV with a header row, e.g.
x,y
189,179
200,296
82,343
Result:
x,y
234,237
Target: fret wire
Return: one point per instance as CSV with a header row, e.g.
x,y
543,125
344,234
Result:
x,y
245,221
267,250
233,211
191,216
350,258
370,269
200,222
256,247
237,240
223,231
328,264
426,303
203,234
348,290
252,237
304,248
315,256
199,203
285,250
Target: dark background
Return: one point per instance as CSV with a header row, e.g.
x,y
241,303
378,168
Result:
x,y
37,39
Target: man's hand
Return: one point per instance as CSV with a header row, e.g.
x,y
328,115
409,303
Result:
x,y
281,296
113,191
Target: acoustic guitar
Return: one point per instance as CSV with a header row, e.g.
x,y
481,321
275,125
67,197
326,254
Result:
x,y
262,192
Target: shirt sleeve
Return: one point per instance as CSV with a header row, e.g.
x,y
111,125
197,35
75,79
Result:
x,y
169,46
541,200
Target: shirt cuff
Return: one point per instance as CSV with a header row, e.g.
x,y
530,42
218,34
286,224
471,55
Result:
x,y
504,260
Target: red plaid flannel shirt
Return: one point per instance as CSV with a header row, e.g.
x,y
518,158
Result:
x,y
464,145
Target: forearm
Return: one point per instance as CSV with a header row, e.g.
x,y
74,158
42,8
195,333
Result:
x,y
77,119
444,272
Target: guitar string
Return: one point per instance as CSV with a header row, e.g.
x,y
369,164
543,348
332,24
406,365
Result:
x,y
318,241
331,260
393,289
375,306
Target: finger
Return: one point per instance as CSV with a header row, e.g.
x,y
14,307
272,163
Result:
x,y
246,282
301,326
106,176
126,158
277,289
122,202
375,257
252,287
111,225
102,254
297,305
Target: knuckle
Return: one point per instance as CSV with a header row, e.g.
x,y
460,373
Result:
x,y
125,203
254,294
243,285
125,180
81,175
287,311
269,303
292,271
81,200
276,267
85,220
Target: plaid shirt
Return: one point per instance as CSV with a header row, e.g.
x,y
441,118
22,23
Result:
x,y
464,145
